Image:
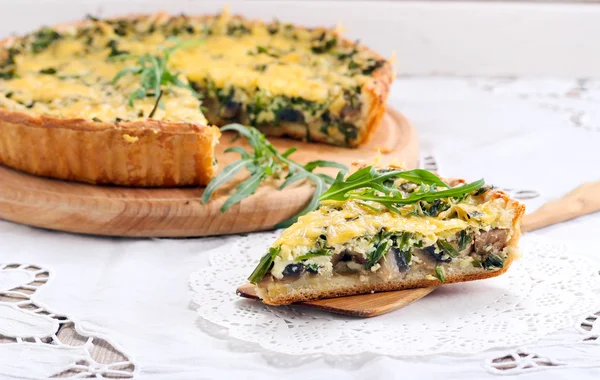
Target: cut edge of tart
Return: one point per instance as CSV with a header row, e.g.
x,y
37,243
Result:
x,y
163,151
347,248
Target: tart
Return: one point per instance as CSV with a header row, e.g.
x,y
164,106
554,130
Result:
x,y
64,113
355,246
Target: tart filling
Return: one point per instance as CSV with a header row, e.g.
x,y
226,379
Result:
x,y
349,247
286,80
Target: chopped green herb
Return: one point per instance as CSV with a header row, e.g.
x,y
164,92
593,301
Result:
x,y
237,29
447,248
43,38
114,49
381,248
372,65
7,74
440,273
408,256
350,54
261,68
402,241
464,239
493,262
311,254
483,190
48,71
435,208
272,52
323,44
313,267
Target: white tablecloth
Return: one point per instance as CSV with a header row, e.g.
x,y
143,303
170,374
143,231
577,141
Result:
x,y
538,138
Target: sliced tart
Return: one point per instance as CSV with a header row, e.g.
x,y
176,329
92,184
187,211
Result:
x,y
72,104
381,230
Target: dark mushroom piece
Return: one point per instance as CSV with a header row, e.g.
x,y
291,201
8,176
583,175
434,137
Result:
x,y
293,271
438,256
230,109
348,112
291,115
402,259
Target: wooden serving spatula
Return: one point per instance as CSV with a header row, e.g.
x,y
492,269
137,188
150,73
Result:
x,y
582,201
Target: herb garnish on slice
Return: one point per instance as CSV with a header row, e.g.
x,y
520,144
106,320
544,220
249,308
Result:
x,y
264,265
368,184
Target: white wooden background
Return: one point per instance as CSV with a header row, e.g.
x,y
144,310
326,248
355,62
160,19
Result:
x,y
429,37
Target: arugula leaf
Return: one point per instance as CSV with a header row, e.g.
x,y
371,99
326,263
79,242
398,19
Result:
x,y
154,74
245,189
291,178
369,206
369,177
265,161
422,176
367,184
324,164
265,264
365,177
319,188
228,173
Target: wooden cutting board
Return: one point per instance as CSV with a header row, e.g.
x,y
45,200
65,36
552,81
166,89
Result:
x,y
179,212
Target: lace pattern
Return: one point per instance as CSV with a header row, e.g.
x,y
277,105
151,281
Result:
x,y
580,350
37,342
540,294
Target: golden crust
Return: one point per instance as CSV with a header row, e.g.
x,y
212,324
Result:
x,y
377,92
275,292
156,153
146,154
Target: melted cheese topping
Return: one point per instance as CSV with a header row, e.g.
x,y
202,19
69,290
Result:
x,y
295,72
341,222
82,87
78,82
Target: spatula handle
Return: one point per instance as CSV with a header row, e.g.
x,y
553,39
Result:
x,y
582,201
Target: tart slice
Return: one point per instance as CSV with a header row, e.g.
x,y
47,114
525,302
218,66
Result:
x,y
381,230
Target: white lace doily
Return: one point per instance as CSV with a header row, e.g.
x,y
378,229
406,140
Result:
x,y
38,343
541,293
